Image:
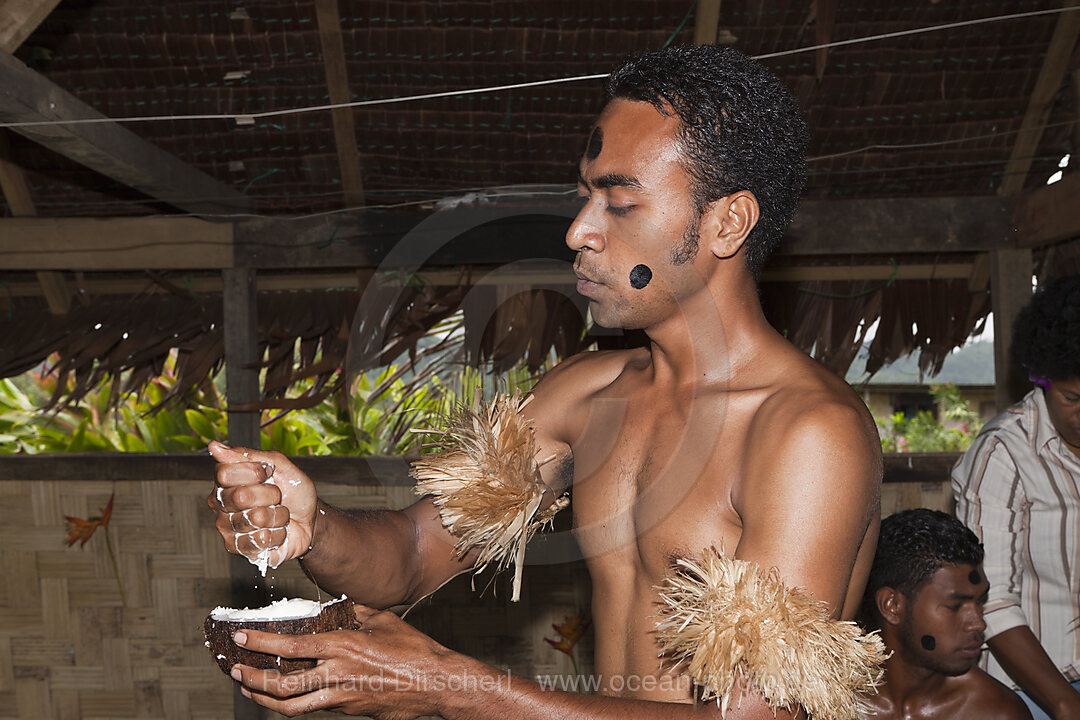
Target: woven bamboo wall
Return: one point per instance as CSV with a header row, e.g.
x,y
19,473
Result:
x,y
70,648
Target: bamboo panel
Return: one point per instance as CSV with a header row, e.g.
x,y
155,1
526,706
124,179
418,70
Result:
x,y
7,677
8,704
72,646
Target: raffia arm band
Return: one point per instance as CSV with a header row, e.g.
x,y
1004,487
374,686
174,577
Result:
x,y
485,480
726,623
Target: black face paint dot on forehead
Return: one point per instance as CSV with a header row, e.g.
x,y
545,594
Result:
x,y
974,577
596,143
929,642
640,276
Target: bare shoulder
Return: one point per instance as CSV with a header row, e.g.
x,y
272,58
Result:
x,y
560,406
809,413
990,699
563,394
809,490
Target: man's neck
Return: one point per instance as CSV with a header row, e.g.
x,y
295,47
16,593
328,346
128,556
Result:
x,y
911,688
714,338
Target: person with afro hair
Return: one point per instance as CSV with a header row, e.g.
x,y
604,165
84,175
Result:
x,y
1018,488
925,594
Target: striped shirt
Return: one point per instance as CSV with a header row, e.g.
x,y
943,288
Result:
x,y
1017,489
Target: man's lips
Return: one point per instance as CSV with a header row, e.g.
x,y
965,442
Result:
x,y
585,283
971,650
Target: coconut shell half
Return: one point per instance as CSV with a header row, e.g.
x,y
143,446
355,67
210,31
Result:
x,y
335,615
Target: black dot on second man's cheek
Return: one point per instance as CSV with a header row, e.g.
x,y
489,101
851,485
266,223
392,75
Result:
x,y
640,276
929,642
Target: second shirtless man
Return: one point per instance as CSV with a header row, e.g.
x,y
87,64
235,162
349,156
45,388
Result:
x,y
719,433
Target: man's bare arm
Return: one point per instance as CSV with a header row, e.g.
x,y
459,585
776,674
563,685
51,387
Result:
x,y
1020,654
380,558
389,669
383,557
810,495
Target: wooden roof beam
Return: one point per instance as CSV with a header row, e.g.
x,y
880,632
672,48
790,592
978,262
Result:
x,y
136,243
1048,215
475,235
545,275
19,18
337,83
17,194
1049,82
106,147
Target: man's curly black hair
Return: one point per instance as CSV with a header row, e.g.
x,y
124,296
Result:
x,y
912,546
740,130
1046,341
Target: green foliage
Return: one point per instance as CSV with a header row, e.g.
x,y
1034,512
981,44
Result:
x,y
137,425
926,433
384,407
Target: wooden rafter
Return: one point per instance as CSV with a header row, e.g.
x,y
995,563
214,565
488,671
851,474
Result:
x,y
19,18
1049,82
19,201
337,82
105,146
1048,215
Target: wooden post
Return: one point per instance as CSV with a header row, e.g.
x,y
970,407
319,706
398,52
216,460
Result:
x,y
707,22
1010,290
17,193
241,320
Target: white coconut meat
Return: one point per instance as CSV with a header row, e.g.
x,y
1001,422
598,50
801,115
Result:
x,y
286,609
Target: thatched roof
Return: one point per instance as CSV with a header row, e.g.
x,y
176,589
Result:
x,y
938,112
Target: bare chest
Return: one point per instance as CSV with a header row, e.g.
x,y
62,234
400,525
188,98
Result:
x,y
654,482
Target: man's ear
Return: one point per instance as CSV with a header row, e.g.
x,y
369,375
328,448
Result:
x,y
890,604
729,221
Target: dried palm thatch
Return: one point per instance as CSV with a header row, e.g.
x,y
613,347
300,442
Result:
x,y
830,318
303,336
729,624
486,483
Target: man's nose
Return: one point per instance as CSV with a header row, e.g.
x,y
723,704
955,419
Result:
x,y
975,622
584,233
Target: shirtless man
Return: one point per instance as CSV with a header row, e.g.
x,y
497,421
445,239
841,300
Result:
x,y
926,593
719,433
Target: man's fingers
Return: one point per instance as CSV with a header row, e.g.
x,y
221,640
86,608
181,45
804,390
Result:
x,y
246,497
258,518
291,707
250,544
238,473
288,646
277,684
225,454
363,613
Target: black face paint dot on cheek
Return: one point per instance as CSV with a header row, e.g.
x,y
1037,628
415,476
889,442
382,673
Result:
x,y
640,276
929,642
974,577
596,143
